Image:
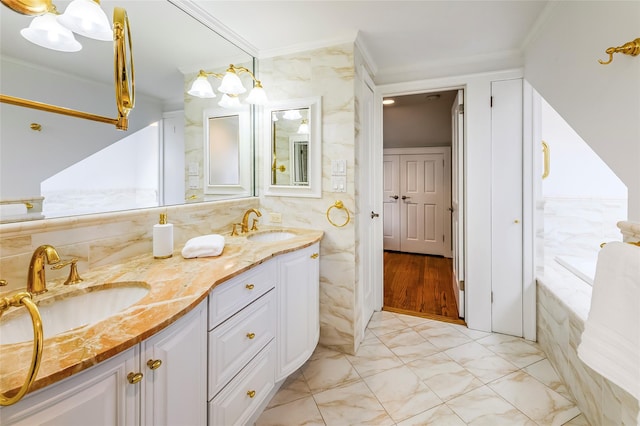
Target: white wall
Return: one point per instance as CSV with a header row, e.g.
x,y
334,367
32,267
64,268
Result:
x,y
28,157
602,103
576,171
427,123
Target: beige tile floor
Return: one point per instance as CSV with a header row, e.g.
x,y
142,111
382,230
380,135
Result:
x,y
414,371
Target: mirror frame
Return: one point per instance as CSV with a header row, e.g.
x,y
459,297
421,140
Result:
x,y
314,189
243,188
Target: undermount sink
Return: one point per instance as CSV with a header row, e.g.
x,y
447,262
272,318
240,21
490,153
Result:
x,y
72,310
270,236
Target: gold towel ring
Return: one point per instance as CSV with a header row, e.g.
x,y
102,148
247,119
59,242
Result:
x,y
338,205
24,298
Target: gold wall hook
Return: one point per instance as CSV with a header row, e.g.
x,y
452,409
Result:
x,y
631,48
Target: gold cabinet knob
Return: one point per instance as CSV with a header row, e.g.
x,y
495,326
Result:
x,y
315,255
154,364
251,335
134,378
249,286
516,221
251,393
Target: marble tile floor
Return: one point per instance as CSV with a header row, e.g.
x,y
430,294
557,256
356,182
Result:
x,y
415,371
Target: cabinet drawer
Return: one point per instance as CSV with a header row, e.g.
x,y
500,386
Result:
x,y
233,343
231,296
239,399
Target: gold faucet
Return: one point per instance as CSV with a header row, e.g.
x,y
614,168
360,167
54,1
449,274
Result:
x,y
245,220
36,283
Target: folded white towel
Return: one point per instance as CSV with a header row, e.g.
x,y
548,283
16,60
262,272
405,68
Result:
x,y
611,339
204,246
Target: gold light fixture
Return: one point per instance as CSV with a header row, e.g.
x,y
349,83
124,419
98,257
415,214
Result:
x,y
123,80
231,87
46,31
304,127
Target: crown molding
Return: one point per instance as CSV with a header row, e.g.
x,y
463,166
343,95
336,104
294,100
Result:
x,y
201,15
366,55
348,37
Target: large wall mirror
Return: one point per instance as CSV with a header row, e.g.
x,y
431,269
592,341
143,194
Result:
x,y
293,154
53,166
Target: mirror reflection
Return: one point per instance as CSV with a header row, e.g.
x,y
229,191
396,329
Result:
x,y
290,154
293,154
53,166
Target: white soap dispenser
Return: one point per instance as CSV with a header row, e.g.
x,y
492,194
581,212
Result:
x,y
163,238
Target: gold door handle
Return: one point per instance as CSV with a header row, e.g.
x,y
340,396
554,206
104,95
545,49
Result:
x,y
154,364
251,335
134,378
547,160
249,286
314,255
251,393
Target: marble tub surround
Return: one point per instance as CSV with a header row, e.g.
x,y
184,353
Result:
x,y
102,239
562,310
328,72
176,286
398,378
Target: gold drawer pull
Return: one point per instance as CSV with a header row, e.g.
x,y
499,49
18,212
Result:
x,y
134,378
249,286
251,335
315,255
154,364
251,393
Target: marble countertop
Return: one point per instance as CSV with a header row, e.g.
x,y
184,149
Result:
x,y
177,285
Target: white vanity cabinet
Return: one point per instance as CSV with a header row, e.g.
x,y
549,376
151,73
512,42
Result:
x,y
298,308
173,393
241,349
174,365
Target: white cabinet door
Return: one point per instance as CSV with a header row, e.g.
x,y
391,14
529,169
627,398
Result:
x,y
506,207
297,291
174,365
98,396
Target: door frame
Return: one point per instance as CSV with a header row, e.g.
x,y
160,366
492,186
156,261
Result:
x,y
477,172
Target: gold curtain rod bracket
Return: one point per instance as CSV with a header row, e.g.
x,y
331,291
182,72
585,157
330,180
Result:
x,y
631,48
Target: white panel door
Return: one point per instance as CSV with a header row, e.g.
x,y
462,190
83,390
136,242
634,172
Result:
x,y
506,207
370,253
391,202
457,198
422,203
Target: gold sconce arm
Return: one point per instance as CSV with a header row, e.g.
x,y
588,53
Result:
x,y
24,299
631,48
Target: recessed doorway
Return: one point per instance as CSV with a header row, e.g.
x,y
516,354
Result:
x,y
423,265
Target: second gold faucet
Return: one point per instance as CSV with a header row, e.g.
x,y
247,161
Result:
x,y
245,221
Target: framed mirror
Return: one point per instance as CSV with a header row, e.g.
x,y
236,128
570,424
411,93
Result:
x,y
227,152
293,153
57,166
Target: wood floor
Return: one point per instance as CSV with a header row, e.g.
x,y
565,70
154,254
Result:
x,y
420,285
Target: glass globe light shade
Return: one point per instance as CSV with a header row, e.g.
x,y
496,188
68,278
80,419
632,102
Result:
x,y
292,114
45,31
201,88
231,84
86,17
304,127
257,96
229,101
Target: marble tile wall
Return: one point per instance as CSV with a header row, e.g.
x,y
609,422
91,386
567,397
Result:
x,y
328,72
103,239
575,227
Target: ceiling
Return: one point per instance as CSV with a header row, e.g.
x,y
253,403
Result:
x,y
405,40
